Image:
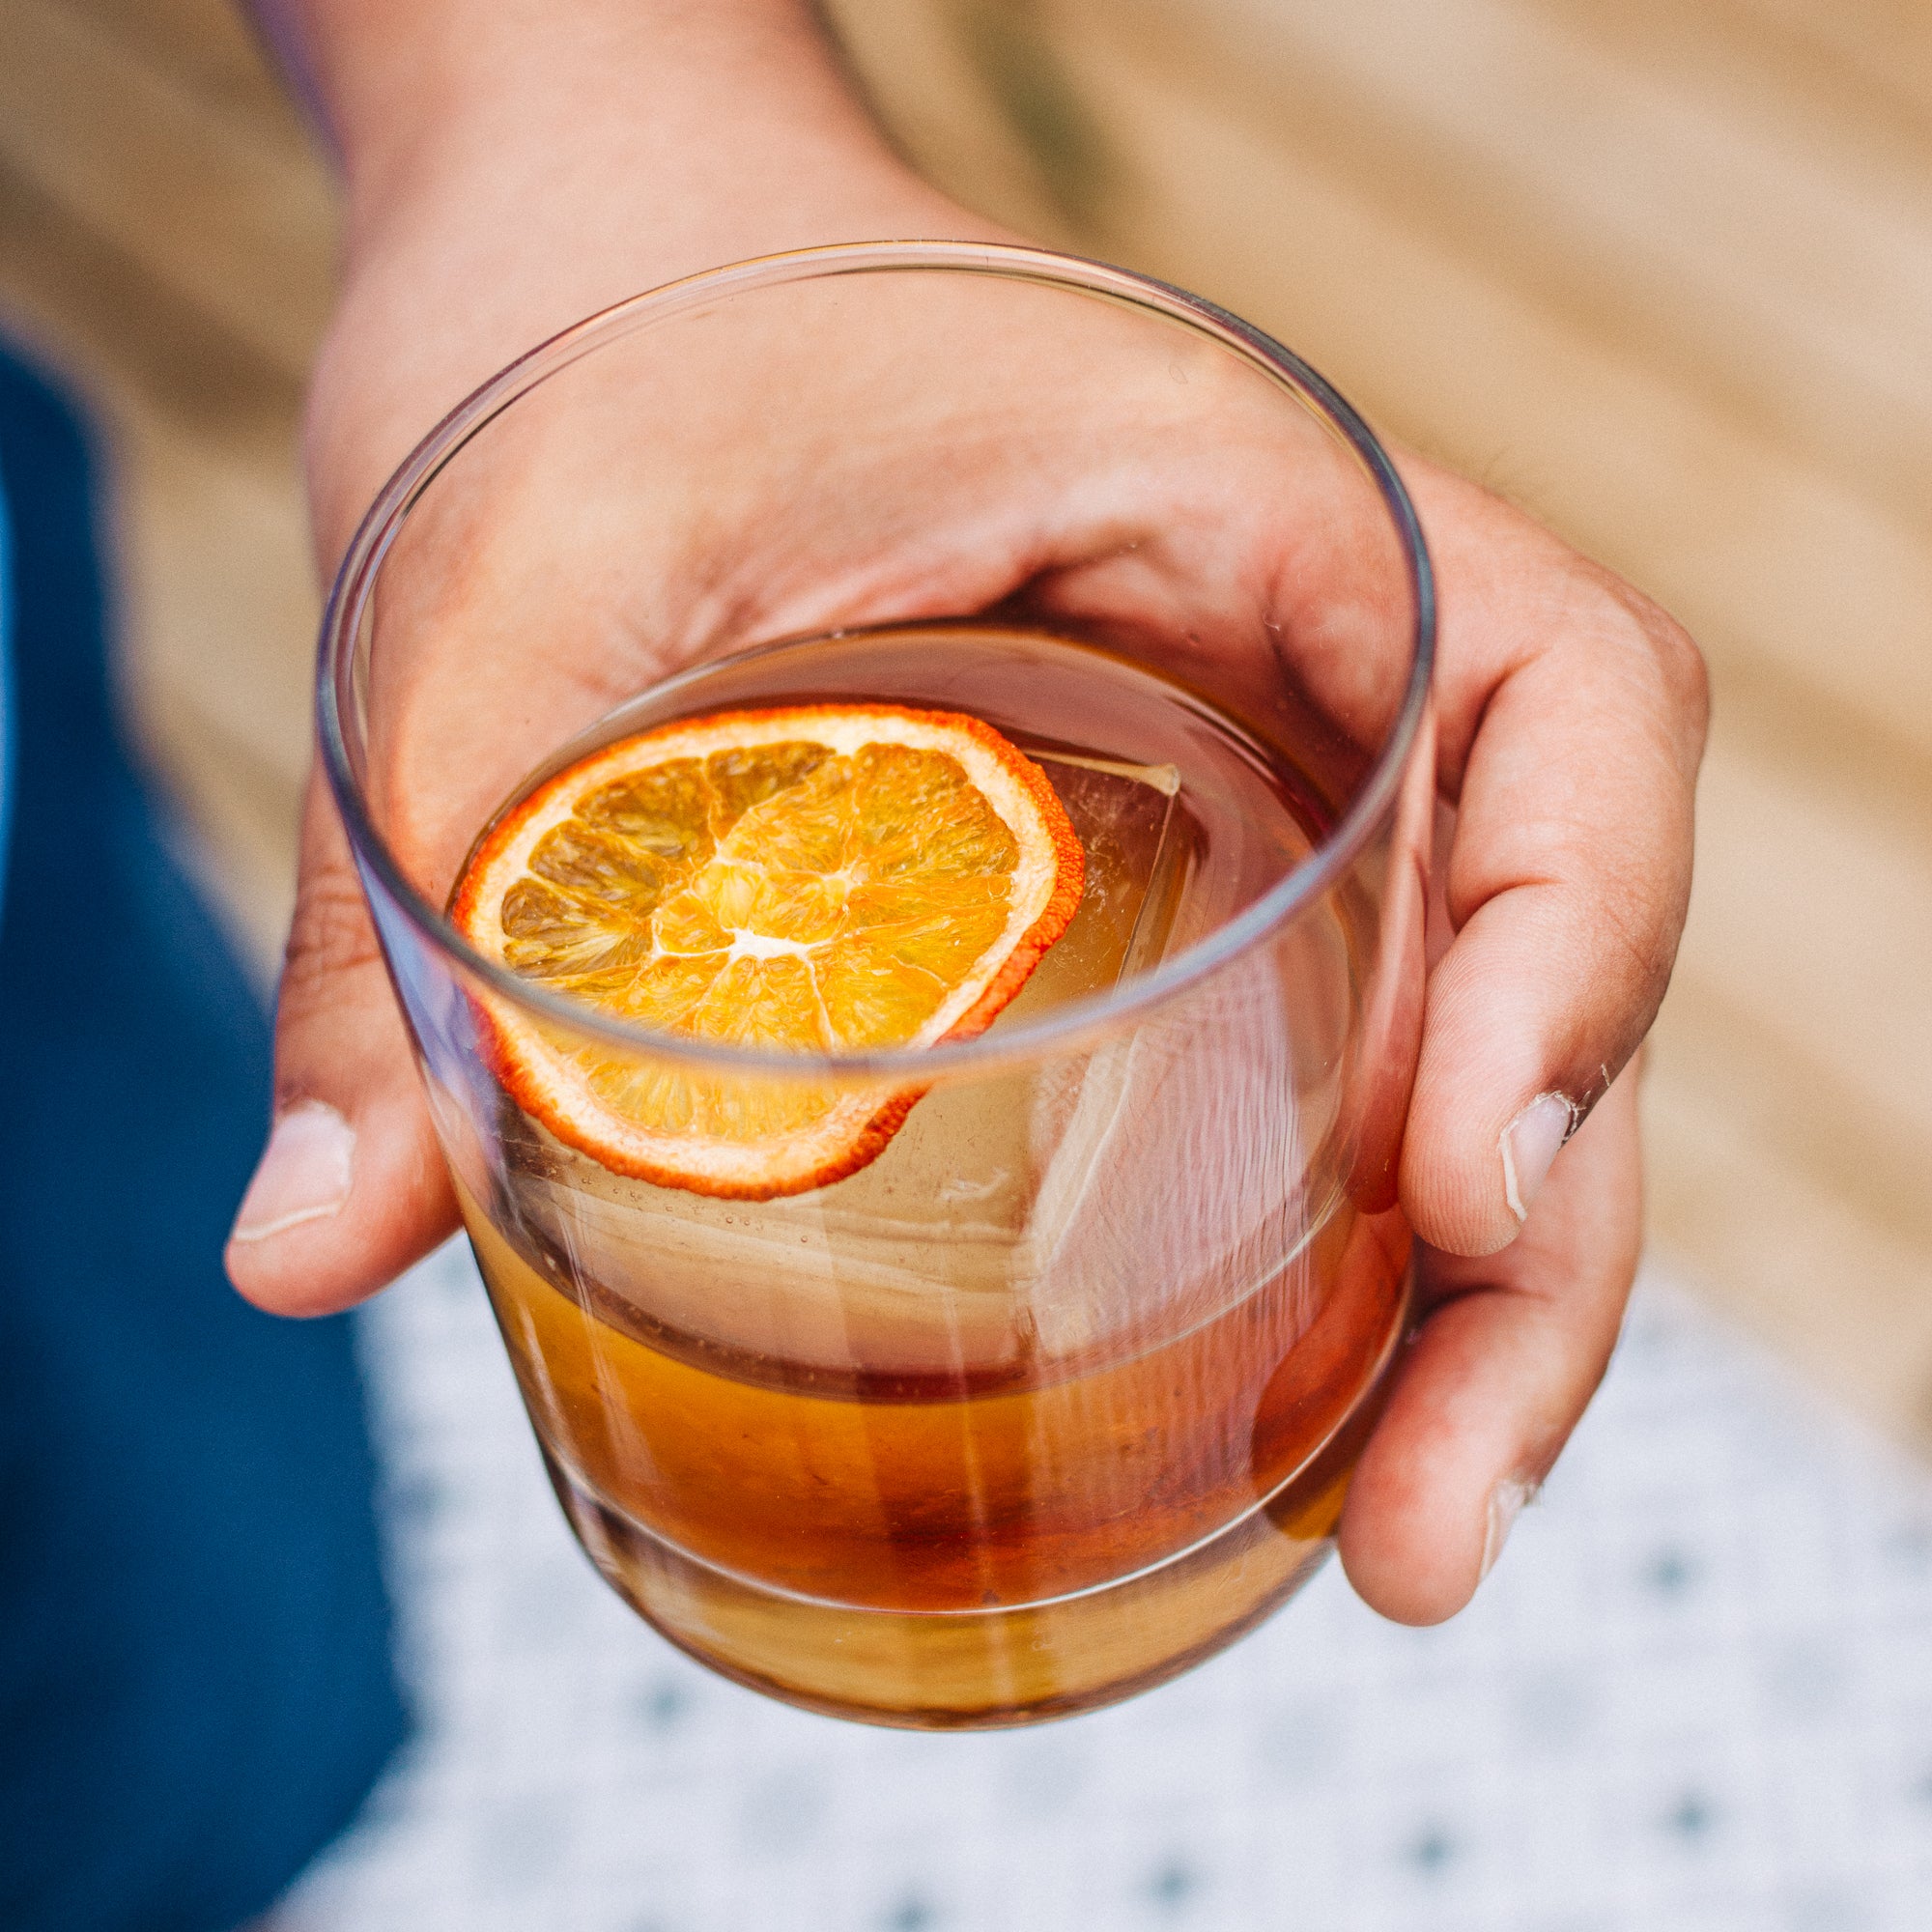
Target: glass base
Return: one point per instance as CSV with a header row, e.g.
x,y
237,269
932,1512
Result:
x,y
979,1669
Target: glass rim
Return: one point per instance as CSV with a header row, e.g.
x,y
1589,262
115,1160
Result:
x,y
1066,1027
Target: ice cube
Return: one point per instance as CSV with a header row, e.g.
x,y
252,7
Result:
x,y
1132,826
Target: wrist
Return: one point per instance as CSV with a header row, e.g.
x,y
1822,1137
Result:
x,y
502,188
701,113
560,171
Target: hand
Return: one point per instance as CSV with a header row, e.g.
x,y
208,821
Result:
x,y
1570,717
1571,714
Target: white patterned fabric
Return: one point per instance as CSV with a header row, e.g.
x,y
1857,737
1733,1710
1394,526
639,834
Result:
x,y
1696,1696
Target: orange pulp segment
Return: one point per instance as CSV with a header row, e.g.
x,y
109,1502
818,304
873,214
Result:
x,y
818,879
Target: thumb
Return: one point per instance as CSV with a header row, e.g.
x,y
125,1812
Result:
x,y
352,1188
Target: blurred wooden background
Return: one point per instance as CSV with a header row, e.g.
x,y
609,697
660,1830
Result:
x,y
1662,272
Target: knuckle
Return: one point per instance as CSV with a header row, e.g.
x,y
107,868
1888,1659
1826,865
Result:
x,y
332,935
1684,672
1680,663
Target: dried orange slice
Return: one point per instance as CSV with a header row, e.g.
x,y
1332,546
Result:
x,y
824,879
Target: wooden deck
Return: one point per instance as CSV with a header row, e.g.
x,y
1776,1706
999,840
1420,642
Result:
x,y
1663,274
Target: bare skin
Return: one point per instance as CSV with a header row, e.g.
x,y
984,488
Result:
x,y
511,168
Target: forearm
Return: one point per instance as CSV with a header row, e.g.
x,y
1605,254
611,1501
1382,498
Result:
x,y
712,114
514,164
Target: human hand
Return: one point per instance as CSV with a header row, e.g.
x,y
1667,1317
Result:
x,y
1571,714
1570,719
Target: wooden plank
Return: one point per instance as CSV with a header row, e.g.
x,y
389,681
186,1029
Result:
x,y
1875,53
1815,919
1767,263
240,227
207,48
1843,1300
928,83
1801,1110
111,318
1832,74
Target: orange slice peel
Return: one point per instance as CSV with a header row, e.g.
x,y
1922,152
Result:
x,y
817,880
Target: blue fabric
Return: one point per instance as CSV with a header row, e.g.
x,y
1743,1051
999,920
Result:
x,y
6,688
195,1688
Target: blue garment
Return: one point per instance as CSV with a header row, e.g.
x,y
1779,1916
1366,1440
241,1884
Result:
x,y
195,1687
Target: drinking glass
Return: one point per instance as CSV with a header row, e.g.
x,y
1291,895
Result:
x,y
1060,1393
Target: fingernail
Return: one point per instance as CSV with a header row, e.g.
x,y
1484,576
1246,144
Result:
x,y
304,1175
1506,1501
1529,1144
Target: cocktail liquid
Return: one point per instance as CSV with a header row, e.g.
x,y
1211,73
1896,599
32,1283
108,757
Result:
x,y
1062,1393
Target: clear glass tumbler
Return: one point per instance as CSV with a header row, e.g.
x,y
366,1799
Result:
x,y
1059,1392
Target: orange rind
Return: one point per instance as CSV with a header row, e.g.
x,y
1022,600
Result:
x,y
823,880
